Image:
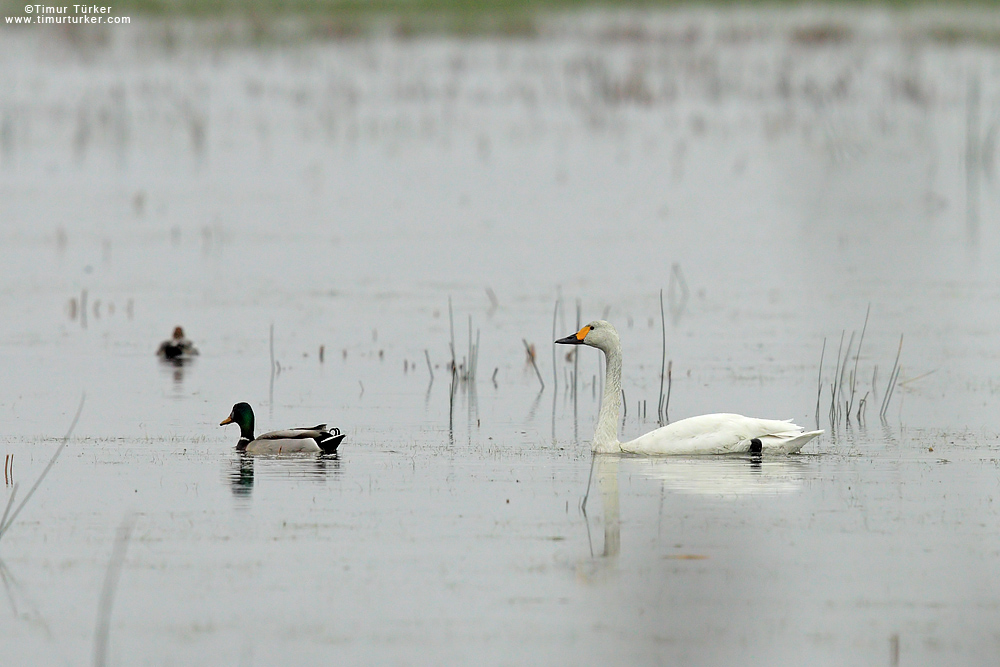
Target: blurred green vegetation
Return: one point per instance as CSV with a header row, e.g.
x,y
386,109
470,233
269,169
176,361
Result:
x,y
342,18
201,8
348,18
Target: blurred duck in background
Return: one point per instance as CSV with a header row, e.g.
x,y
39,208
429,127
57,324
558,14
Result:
x,y
177,347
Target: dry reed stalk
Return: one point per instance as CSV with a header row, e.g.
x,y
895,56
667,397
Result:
x,y
857,356
840,378
819,388
663,361
451,327
891,386
111,578
833,385
555,376
670,382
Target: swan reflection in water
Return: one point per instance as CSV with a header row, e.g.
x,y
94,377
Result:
x,y
721,478
241,473
731,477
606,469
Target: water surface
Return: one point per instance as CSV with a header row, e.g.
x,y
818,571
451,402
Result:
x,y
772,181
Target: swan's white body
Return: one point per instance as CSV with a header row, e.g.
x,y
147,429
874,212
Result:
x,y
721,434
706,434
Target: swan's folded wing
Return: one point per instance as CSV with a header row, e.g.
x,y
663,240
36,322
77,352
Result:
x,y
787,443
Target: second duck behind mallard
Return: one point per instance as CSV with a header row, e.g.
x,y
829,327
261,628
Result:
x,y
177,347
318,438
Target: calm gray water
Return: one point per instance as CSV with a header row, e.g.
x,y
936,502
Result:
x,y
773,174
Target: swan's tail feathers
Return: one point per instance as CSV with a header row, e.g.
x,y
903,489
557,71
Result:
x,y
787,443
330,440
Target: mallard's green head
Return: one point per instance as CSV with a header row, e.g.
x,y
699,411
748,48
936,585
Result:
x,y
242,414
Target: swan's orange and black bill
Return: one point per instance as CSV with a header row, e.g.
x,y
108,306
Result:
x,y
227,420
577,338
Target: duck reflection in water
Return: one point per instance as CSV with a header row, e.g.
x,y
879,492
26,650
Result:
x,y
176,353
241,474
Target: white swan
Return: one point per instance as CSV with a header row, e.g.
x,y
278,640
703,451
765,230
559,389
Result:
x,y
706,434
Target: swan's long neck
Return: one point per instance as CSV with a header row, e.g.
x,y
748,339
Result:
x,y
606,433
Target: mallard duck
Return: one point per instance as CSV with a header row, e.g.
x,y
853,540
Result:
x,y
705,434
177,347
295,440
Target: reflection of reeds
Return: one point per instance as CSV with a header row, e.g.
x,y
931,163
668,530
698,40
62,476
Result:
x,y
6,137
10,504
531,357
473,364
270,386
494,302
9,517
111,578
972,160
555,376
677,294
